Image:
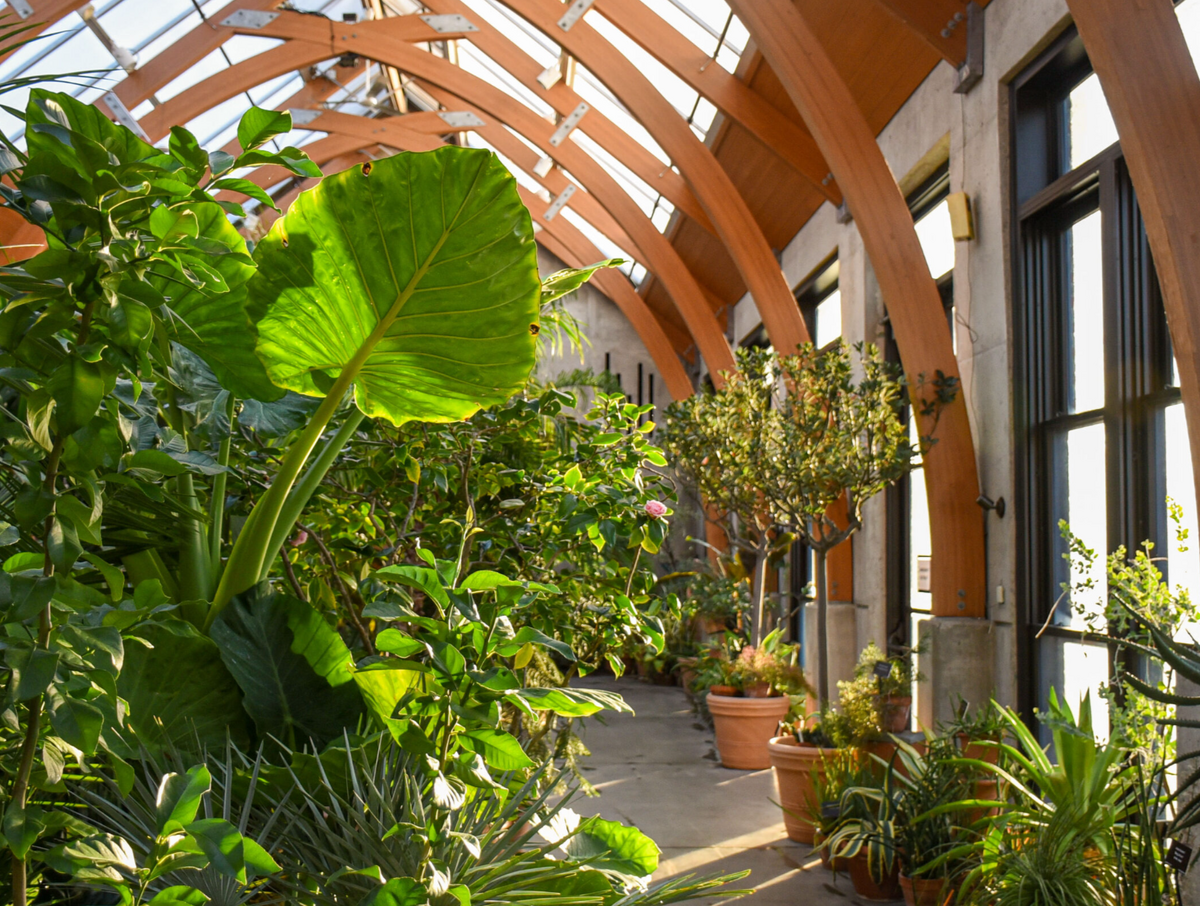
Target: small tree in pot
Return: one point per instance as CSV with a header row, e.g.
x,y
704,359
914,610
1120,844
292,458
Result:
x,y
832,436
714,439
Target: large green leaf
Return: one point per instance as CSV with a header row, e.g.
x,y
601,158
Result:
x,y
613,846
219,327
179,691
416,276
292,667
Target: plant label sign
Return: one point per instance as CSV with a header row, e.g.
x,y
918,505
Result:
x,y
883,669
1179,856
831,810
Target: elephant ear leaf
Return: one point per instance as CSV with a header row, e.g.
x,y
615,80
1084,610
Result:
x,y
565,282
413,278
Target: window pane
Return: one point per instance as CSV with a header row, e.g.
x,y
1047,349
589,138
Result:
x,y
1183,566
1079,496
1090,125
937,240
1072,669
1086,311
829,319
919,544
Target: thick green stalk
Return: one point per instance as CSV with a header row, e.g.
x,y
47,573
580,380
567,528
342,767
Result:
x,y
217,504
195,573
307,486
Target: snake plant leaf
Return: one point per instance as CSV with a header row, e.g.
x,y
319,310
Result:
x,y
414,278
563,282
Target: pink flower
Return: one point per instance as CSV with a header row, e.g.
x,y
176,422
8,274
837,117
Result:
x,y
299,538
656,508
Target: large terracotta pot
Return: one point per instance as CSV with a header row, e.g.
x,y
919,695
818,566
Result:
x,y
744,727
794,766
923,891
867,887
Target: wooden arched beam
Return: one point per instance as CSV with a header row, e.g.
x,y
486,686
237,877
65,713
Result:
x,y
1138,50
572,246
723,89
918,321
942,24
728,211
563,98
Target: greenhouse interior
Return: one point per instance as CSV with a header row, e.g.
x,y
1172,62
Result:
x,y
599,452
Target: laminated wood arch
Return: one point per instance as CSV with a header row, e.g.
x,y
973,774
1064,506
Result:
x,y
569,244
913,303
728,211
1138,50
723,89
45,14
384,48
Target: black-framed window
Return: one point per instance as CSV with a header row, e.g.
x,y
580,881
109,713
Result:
x,y
820,301
908,531
1102,440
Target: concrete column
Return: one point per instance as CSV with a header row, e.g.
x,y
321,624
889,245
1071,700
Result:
x,y
843,644
957,660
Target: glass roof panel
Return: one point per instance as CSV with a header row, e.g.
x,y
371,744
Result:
x,y
151,27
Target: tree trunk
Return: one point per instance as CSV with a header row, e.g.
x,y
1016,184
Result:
x,y
822,630
758,595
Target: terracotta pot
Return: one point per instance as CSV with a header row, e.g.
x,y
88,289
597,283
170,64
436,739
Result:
x,y
923,891
758,690
841,864
723,691
867,887
687,676
896,710
744,726
971,748
885,749
794,765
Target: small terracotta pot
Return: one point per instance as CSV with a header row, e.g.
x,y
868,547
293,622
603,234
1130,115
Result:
x,y
984,789
744,726
867,887
758,690
971,748
841,864
923,891
723,691
794,766
687,676
896,710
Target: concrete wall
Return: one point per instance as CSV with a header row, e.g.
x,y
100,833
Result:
x,y
978,129
609,333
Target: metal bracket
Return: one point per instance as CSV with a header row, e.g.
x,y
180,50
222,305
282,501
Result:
x,y
461,119
971,70
559,203
843,213
249,18
302,116
21,8
122,115
449,23
566,126
574,14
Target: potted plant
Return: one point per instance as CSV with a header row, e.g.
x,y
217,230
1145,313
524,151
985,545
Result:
x,y
799,756
865,836
831,777
745,724
925,828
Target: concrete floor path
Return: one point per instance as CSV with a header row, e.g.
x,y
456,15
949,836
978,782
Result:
x,y
658,770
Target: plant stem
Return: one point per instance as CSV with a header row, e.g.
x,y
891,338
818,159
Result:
x,y
195,572
758,592
33,721
217,504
